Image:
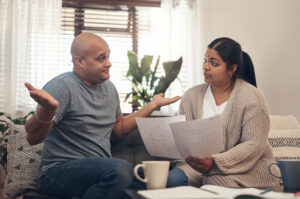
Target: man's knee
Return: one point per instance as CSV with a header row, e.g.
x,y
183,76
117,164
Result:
x,y
123,172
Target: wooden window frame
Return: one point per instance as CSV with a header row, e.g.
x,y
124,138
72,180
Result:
x,y
147,3
81,5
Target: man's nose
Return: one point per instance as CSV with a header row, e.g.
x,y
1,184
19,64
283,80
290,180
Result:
x,y
108,63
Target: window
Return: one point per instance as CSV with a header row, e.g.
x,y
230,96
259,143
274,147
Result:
x,y
124,28
37,47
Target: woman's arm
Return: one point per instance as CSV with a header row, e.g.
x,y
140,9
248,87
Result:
x,y
253,142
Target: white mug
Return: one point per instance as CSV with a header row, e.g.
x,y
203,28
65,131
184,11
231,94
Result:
x,y
155,172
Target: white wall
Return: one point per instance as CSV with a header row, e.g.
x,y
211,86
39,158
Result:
x,y
269,30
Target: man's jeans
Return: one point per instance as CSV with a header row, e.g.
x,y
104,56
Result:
x,y
88,178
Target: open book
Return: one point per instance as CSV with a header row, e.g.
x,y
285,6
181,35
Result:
x,y
176,138
213,192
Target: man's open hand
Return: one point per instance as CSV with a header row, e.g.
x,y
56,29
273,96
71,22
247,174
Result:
x,y
42,97
159,100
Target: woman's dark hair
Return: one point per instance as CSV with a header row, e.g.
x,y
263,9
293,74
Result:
x,y
231,53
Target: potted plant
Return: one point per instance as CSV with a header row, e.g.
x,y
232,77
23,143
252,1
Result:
x,y
144,79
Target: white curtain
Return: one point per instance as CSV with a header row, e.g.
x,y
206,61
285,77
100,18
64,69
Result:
x,y
181,37
29,49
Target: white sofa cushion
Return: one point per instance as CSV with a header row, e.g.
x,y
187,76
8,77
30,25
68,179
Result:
x,y
284,122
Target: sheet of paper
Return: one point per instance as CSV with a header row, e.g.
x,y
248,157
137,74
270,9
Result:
x,y
210,192
157,135
181,192
200,138
234,192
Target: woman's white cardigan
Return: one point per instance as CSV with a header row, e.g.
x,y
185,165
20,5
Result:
x,y
246,126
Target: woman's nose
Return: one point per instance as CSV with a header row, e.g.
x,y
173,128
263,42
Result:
x,y
205,66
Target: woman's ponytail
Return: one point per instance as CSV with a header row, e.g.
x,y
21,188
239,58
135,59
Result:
x,y
248,73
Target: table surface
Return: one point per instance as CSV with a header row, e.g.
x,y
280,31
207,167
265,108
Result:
x,y
132,194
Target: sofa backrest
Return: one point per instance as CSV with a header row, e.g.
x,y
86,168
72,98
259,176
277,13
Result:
x,y
131,148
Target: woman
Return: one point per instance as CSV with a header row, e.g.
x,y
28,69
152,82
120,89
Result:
x,y
229,73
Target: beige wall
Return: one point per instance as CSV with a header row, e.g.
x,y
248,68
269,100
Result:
x,y
269,30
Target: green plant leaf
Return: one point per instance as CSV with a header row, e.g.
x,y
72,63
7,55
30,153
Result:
x,y
137,73
144,81
134,69
22,120
154,78
137,87
172,70
147,76
145,66
128,95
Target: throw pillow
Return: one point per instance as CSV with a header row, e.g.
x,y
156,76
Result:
x,y
285,144
23,163
283,122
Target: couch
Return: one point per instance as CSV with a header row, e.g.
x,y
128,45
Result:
x,y
23,159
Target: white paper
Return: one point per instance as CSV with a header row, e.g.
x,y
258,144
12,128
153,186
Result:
x,y
201,138
211,192
234,192
182,192
157,135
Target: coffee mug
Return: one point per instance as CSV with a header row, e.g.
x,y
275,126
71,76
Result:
x,y
290,174
155,172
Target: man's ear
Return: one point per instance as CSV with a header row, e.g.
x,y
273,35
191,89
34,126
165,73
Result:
x,y
78,61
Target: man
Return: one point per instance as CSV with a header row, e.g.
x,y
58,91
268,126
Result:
x,y
76,115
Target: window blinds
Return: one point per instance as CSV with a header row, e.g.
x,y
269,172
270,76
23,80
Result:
x,y
123,28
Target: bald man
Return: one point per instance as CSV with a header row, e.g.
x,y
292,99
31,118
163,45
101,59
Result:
x,y
76,114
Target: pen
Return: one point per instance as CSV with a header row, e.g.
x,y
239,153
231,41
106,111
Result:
x,y
213,192
266,191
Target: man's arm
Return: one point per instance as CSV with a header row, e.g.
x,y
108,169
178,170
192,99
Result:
x,y
125,125
38,125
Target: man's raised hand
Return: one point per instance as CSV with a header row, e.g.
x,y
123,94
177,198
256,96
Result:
x,y
42,97
159,100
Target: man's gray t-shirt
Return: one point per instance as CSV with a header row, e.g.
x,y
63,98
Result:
x,y
84,120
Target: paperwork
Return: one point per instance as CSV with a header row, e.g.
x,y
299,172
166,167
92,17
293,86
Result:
x,y
201,138
173,137
182,192
157,135
211,192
